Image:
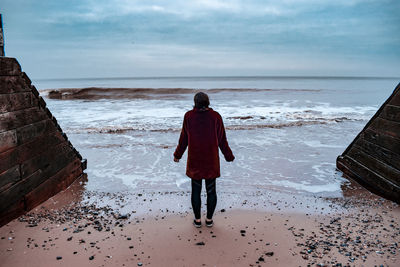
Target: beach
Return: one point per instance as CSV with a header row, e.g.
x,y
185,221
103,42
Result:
x,y
358,230
282,202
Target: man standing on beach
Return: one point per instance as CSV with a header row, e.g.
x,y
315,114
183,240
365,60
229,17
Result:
x,y
203,132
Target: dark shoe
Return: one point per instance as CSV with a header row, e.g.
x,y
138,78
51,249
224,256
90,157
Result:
x,y
209,223
196,224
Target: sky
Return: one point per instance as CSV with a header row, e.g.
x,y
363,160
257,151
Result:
x,y
133,38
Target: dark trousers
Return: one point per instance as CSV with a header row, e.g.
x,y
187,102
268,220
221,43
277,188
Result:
x,y
211,197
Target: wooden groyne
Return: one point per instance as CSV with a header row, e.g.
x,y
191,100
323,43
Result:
x,y
36,158
373,158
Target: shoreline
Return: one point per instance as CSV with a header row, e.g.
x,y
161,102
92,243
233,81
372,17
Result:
x,y
336,231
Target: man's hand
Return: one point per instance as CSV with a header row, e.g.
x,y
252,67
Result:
x,y
176,160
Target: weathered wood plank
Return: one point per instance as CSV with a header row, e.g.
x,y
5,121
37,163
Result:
x,y
29,183
16,119
9,66
29,150
50,159
375,165
31,131
378,152
15,192
380,139
12,211
9,177
385,126
391,113
8,140
395,100
53,185
367,178
16,101
12,84
34,91
26,79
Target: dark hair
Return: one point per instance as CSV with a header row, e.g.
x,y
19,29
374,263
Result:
x,y
201,100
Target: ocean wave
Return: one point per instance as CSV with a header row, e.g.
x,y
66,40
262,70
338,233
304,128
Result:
x,y
230,126
95,93
118,130
105,146
279,125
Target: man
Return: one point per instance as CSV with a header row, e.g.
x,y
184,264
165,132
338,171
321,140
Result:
x,y
203,132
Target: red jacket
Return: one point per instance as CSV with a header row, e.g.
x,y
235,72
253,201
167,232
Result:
x,y
203,131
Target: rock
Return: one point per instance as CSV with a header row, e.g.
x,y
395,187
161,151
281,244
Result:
x,y
223,210
261,259
200,243
140,264
121,216
269,254
91,258
59,258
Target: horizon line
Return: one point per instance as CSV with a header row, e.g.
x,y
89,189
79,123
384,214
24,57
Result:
x,y
223,76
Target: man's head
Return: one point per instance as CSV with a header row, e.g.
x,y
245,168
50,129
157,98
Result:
x,y
201,100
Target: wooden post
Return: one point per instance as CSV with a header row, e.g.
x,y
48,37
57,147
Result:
x,y
2,54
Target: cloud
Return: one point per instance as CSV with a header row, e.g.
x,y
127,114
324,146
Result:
x,y
204,36
98,10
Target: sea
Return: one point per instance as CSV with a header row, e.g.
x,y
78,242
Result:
x,y
285,132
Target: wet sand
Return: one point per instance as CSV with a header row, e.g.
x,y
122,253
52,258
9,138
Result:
x,y
70,229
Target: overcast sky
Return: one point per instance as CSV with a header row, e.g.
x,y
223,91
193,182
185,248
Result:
x,y
123,38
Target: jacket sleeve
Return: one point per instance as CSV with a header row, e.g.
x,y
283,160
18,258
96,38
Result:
x,y
222,142
183,141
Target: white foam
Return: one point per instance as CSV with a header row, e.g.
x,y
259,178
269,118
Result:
x,y
317,143
305,186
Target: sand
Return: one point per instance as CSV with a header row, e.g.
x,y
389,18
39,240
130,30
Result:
x,y
67,231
